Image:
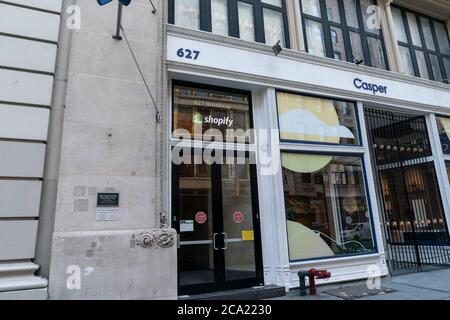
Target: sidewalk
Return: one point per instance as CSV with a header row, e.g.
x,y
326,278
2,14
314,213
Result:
x,y
434,285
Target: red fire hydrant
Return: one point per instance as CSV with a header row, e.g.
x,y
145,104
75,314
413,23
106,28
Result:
x,y
314,274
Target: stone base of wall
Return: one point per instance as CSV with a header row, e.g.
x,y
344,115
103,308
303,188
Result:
x,y
35,294
126,264
18,282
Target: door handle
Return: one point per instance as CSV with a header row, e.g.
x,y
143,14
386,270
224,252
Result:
x,y
225,240
214,241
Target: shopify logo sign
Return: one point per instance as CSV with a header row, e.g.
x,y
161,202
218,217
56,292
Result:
x,y
198,118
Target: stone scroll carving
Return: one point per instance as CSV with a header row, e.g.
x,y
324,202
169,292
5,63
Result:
x,y
162,238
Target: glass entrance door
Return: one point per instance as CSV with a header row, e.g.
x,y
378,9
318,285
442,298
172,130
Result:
x,y
215,214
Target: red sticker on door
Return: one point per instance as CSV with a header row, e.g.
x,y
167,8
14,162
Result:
x,y
238,217
201,217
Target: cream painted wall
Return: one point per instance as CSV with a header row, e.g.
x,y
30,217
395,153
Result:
x,y
27,63
111,142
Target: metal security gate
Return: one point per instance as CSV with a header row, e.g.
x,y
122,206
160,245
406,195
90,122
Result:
x,y
415,228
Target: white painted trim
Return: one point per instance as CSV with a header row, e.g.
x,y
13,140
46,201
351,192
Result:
x,y
370,182
439,163
202,74
322,148
295,68
225,41
273,218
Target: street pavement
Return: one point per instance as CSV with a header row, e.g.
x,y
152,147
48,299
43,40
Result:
x,y
432,285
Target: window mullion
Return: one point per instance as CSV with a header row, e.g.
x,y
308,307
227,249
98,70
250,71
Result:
x,y
171,11
425,49
346,33
205,15
286,25
445,76
259,21
233,23
410,44
363,35
326,30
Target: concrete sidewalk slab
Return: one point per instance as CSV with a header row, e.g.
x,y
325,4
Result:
x,y
433,285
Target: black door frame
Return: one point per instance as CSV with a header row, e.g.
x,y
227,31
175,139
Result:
x,y
220,283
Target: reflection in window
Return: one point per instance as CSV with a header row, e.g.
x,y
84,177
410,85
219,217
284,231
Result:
x,y
276,3
369,10
422,64
407,61
197,110
350,13
219,17
329,34
427,33
187,13
326,206
447,69
333,11
246,21
447,164
422,58
414,29
376,53
357,49
338,43
314,35
274,28
444,133
400,31
436,68
304,118
311,7
442,37
252,20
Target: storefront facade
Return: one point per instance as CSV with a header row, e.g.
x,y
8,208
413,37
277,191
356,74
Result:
x,y
349,170
241,141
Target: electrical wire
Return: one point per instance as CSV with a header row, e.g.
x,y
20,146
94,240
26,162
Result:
x,y
140,70
154,8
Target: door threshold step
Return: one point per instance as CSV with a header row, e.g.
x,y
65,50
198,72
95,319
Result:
x,y
254,293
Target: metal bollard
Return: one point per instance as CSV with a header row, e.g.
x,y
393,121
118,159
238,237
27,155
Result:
x,y
302,274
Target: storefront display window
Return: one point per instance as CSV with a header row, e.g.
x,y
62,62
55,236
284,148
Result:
x,y
262,21
326,206
202,112
328,34
444,133
424,44
326,203
312,119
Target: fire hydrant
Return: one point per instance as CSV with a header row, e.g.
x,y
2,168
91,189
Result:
x,y
312,274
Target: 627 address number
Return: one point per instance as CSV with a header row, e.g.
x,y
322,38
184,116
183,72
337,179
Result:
x,y
188,53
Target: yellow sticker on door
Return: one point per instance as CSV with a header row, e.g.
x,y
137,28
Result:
x,y
248,235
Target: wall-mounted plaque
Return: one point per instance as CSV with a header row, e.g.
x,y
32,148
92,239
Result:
x,y
107,200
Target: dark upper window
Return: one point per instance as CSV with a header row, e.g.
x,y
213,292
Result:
x,y
346,30
253,20
424,45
